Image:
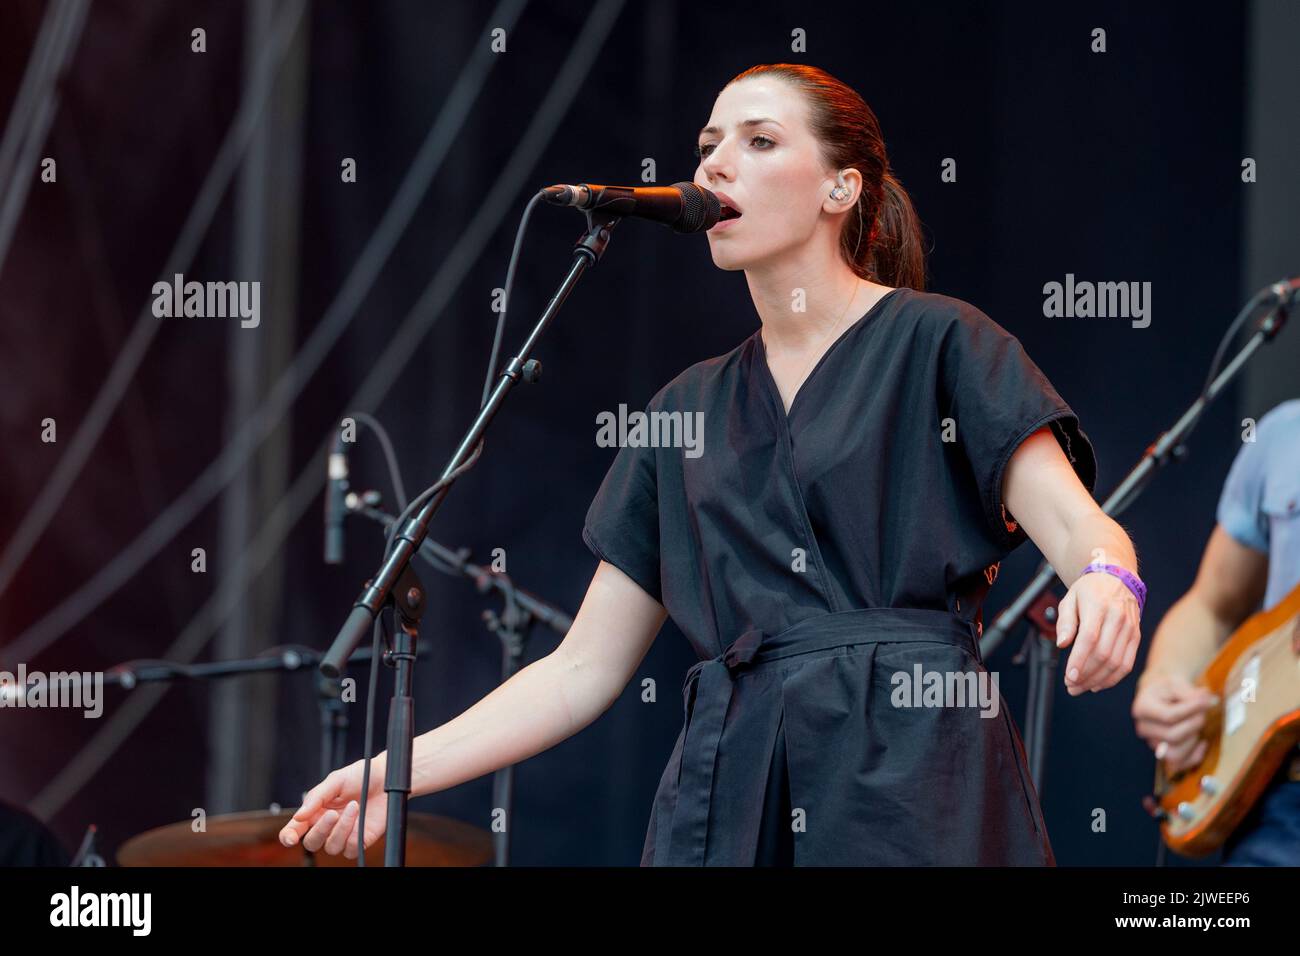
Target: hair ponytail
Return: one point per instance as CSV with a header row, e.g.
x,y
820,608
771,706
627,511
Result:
x,y
894,254
882,243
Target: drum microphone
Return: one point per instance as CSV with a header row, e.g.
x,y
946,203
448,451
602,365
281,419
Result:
x,y
683,207
335,501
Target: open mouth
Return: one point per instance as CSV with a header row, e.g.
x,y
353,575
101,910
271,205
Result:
x,y
728,213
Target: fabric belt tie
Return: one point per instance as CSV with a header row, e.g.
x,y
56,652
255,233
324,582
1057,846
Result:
x,y
710,681
707,688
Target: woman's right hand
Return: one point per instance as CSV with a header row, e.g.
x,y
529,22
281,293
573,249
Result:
x,y
329,812
1169,713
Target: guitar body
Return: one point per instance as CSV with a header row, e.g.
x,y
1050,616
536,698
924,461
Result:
x,y
1251,731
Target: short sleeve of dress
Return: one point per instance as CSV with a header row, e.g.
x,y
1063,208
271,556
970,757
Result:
x,y
997,397
1240,511
622,525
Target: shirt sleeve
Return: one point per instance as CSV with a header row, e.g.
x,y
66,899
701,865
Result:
x,y
1240,512
622,525
997,397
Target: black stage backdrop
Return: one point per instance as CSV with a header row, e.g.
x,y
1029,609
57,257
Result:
x,y
1119,166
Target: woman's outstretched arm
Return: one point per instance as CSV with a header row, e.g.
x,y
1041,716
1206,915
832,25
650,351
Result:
x,y
1099,616
544,703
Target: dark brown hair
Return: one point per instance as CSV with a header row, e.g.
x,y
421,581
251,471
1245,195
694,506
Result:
x,y
891,252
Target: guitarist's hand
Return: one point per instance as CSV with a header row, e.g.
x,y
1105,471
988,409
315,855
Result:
x,y
1169,712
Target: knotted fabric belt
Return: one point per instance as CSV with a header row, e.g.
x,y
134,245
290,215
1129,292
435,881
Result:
x,y
706,696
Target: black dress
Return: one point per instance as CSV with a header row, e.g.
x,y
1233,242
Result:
x,y
818,561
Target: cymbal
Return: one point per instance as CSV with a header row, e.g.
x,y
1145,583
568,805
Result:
x,y
252,839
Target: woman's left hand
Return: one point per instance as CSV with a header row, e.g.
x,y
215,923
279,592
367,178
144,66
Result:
x,y
1099,616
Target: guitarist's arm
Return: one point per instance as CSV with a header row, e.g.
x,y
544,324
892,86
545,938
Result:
x,y
1168,709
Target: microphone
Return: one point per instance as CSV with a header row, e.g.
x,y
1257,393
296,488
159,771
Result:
x,y
683,207
335,504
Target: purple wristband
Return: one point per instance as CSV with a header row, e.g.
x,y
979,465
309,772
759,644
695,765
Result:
x,y
1131,580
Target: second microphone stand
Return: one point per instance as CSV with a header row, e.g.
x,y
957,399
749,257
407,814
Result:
x,y
1040,605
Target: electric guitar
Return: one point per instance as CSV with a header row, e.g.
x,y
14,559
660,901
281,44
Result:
x,y
1251,731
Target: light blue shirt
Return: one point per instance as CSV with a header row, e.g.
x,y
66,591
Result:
x,y
1260,503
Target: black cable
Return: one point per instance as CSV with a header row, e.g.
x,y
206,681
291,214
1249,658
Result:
x,y
1229,335
418,502
394,473
371,695
395,478
399,489
510,284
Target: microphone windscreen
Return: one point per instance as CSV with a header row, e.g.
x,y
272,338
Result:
x,y
701,209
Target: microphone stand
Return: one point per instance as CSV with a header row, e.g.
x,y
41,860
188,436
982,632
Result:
x,y
396,582
1040,606
512,626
